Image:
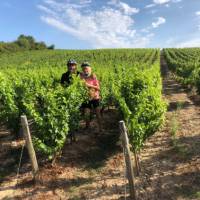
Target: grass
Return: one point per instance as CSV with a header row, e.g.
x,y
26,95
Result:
x,y
188,192
174,127
197,195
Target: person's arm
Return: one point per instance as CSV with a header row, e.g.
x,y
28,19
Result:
x,y
95,84
62,81
96,87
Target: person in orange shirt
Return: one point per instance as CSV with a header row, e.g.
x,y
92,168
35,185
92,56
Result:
x,y
93,86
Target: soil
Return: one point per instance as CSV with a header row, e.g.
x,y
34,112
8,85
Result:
x,y
170,159
93,166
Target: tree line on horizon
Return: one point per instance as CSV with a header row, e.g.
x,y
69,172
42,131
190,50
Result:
x,y
23,43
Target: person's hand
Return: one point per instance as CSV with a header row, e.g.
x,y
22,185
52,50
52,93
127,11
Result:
x,y
88,85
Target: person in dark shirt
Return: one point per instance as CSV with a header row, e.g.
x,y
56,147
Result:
x,y
66,78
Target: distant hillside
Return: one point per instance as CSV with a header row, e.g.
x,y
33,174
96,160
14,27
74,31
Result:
x,y
23,43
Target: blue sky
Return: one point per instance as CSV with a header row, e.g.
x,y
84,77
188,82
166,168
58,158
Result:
x,y
86,24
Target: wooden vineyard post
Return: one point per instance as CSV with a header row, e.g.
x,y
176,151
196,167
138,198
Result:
x,y
137,164
29,144
128,160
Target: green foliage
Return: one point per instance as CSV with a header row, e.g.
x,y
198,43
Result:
x,y
129,79
141,104
23,43
185,63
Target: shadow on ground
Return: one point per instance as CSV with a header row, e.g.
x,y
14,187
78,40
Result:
x,y
91,151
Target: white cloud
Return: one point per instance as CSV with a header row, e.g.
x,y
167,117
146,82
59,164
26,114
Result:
x,y
58,24
150,5
156,24
153,11
45,9
169,42
128,10
176,1
198,19
145,30
85,1
64,4
198,13
190,43
103,28
160,20
161,1
175,42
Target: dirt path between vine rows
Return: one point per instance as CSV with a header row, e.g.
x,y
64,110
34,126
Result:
x,y
93,167
171,164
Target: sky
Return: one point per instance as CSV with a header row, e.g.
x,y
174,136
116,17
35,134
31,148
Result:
x,y
91,24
